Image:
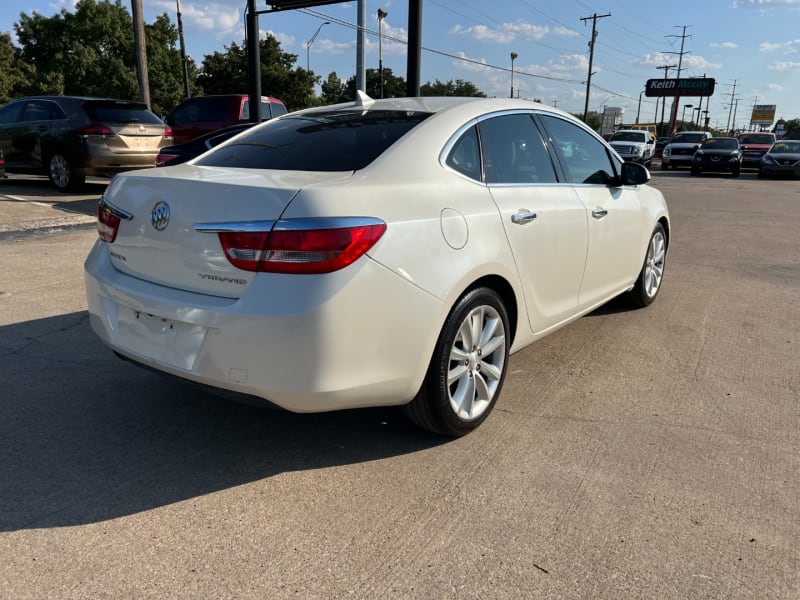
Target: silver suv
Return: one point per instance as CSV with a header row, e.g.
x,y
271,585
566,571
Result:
x,y
634,145
680,149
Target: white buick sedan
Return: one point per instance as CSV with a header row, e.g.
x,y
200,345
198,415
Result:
x,y
389,252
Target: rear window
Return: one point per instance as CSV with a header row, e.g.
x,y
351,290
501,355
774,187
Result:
x,y
334,141
110,112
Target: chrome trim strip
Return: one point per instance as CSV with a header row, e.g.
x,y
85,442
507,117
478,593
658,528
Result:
x,y
115,210
305,224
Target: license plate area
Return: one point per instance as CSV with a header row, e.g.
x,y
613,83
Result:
x,y
173,343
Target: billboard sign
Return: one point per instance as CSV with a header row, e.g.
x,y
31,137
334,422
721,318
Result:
x,y
692,86
763,114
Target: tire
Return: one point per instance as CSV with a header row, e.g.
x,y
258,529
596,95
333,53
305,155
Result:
x,y
648,283
62,175
468,367
735,172
695,171
664,167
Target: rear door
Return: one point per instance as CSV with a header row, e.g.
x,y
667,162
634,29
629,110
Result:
x,y
10,126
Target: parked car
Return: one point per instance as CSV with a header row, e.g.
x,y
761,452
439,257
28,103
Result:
x,y
389,252
70,137
203,114
680,150
783,158
180,153
635,145
754,146
661,142
718,155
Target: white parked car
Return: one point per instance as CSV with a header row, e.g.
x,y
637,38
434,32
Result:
x,y
636,145
389,252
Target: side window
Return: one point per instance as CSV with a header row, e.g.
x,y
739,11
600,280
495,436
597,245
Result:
x,y
245,116
11,113
513,151
585,158
278,109
464,156
36,110
266,114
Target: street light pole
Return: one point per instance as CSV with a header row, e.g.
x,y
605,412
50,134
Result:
x,y
381,16
683,115
513,58
310,42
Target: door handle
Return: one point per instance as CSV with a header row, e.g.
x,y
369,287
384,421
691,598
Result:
x,y
523,217
599,213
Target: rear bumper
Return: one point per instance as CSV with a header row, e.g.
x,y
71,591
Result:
x,y
312,345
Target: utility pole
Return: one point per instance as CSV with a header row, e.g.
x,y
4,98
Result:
x,y
594,18
730,110
361,43
676,101
141,52
666,69
183,53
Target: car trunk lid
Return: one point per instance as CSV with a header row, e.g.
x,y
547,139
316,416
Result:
x,y
170,238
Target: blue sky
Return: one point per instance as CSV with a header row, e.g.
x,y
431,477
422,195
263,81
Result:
x,y
754,43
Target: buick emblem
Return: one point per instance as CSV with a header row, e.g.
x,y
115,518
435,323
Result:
x,y
160,216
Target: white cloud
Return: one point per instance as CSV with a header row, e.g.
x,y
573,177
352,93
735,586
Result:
x,y
775,87
508,32
791,47
766,4
784,66
768,47
723,45
286,41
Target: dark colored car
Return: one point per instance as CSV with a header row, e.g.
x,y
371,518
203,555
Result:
x,y
754,145
718,155
2,165
203,114
782,159
70,137
180,153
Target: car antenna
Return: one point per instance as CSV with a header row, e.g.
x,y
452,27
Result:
x,y
362,99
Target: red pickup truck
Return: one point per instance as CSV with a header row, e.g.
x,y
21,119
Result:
x,y
754,145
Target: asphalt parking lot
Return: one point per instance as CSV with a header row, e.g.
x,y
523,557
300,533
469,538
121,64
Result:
x,y
633,454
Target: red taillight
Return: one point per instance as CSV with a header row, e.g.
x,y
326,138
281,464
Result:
x,y
107,224
306,251
163,159
168,133
96,128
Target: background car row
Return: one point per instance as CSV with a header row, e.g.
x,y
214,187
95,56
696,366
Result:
x,y
68,138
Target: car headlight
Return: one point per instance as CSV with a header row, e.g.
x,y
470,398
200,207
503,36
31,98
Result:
x,y
768,159
667,151
734,157
698,156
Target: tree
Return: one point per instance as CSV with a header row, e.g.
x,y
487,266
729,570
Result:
x,y
593,119
226,73
459,87
334,90
15,73
90,52
791,129
394,87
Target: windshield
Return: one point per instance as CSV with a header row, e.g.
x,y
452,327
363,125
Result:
x,y
786,148
759,138
688,138
721,144
628,136
323,141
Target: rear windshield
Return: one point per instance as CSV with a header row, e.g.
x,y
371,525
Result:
x,y
688,138
110,112
756,139
334,141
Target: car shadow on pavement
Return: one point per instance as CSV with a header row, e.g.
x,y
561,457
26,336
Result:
x,y
86,437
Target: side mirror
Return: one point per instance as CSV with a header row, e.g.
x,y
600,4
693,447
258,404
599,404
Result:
x,y
634,174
